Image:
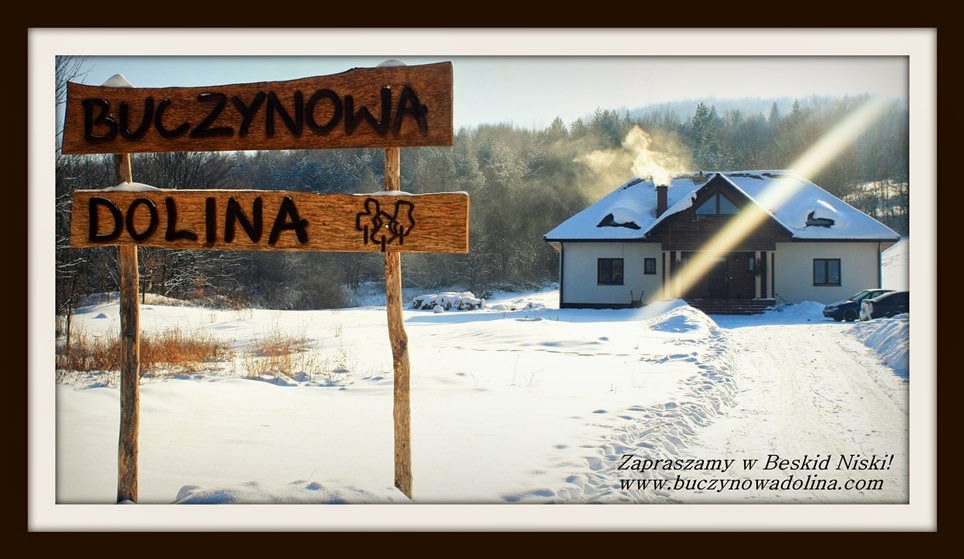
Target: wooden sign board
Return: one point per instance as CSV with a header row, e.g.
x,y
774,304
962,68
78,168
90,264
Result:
x,y
392,106
271,220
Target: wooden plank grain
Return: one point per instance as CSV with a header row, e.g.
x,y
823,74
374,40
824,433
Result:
x,y
271,220
130,359
392,106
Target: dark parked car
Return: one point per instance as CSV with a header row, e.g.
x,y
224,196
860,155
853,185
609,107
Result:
x,y
888,304
849,309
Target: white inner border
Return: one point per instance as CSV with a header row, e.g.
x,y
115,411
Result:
x,y
920,45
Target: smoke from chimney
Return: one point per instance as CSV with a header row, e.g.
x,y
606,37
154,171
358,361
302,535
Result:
x,y
642,156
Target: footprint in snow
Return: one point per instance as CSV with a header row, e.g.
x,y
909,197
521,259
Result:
x,y
578,480
536,493
185,491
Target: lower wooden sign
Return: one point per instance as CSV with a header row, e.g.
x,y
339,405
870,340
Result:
x,y
271,220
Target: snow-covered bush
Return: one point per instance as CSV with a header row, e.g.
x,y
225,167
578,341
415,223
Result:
x,y
464,301
521,304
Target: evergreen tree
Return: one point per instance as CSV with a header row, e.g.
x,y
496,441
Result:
x,y
709,151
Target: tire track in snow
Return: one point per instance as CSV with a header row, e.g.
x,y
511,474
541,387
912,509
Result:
x,y
808,390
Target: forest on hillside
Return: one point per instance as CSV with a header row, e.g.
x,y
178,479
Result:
x,y
522,182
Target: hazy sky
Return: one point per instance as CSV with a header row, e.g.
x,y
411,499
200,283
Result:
x,y
530,91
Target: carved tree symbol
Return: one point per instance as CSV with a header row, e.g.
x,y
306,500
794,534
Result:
x,y
403,221
382,227
371,213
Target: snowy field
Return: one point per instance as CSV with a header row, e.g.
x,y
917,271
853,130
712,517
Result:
x,y
519,402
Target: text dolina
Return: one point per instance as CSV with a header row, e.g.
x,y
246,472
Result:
x,y
270,220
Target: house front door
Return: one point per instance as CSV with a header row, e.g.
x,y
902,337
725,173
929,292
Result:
x,y
713,283
716,280
740,278
729,277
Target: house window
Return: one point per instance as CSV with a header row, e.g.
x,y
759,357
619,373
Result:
x,y
725,207
717,204
826,271
609,271
649,266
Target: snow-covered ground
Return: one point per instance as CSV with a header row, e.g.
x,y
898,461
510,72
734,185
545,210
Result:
x,y
811,389
519,402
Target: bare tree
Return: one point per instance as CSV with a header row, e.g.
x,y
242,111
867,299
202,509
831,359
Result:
x,y
67,69
77,271
71,265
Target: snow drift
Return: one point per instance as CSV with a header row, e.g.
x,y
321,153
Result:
x,y
890,337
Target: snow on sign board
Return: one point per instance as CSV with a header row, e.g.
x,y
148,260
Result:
x,y
390,106
271,220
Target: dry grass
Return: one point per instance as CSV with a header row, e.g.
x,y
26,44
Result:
x,y
176,351
279,343
90,354
275,353
170,350
173,348
285,354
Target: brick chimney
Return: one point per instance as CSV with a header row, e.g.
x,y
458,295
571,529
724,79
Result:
x,y
660,199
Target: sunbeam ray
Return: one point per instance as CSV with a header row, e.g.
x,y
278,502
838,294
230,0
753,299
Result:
x,y
747,220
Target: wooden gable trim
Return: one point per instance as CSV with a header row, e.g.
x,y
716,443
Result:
x,y
685,230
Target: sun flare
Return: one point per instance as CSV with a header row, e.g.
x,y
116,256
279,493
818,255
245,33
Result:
x,y
747,220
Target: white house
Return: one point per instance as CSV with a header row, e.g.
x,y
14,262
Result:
x,y
769,236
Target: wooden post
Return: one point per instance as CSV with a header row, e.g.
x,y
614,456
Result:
x,y
399,341
130,359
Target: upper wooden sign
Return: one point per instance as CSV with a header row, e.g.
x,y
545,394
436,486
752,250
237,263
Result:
x,y
392,106
271,220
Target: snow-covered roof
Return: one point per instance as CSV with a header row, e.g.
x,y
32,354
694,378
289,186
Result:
x,y
786,196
